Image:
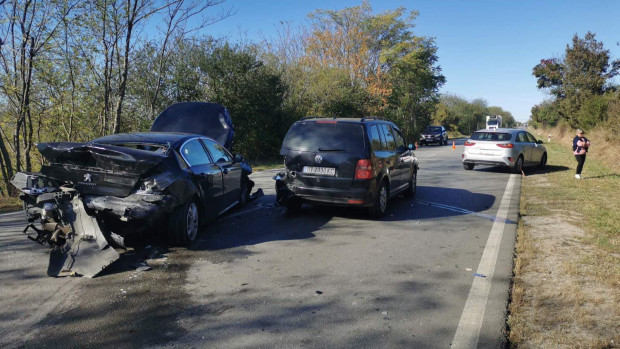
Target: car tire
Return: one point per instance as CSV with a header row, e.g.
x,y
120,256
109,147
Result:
x,y
543,161
518,167
183,224
379,208
244,193
445,142
413,185
468,167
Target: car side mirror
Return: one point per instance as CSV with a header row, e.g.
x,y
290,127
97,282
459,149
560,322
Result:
x,y
539,141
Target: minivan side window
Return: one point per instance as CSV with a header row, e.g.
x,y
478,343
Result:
x,y
400,140
390,142
375,138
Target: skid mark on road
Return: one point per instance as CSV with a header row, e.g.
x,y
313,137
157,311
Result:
x,y
468,330
465,211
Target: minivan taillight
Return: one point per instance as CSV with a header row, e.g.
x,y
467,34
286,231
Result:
x,y
506,145
363,169
469,144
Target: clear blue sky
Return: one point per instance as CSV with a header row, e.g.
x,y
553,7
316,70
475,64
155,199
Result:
x,y
487,49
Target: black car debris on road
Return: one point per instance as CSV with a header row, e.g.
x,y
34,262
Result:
x,y
91,197
359,162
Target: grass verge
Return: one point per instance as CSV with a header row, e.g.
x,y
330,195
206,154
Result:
x,y
567,265
10,204
266,165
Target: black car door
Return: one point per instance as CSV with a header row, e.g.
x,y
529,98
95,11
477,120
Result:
x,y
231,172
206,175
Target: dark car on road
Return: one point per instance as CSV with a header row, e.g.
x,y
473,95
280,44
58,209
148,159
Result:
x,y
434,134
113,190
346,162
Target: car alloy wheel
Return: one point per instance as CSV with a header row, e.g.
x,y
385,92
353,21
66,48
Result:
x,y
380,207
192,221
413,182
543,161
518,165
183,224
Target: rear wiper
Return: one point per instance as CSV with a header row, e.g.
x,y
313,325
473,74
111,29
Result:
x,y
323,149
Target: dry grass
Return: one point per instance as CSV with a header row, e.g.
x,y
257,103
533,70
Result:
x,y
10,204
567,267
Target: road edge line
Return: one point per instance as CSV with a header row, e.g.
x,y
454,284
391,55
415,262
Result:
x,y
468,330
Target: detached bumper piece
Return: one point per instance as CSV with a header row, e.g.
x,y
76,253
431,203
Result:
x,y
77,244
86,252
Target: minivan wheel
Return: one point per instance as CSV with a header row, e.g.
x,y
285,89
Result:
x,y
380,207
413,182
468,167
183,224
518,165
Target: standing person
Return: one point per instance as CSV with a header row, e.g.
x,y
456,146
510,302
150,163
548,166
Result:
x,y
580,148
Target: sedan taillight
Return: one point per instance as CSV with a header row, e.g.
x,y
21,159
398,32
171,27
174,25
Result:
x,y
363,169
469,143
506,145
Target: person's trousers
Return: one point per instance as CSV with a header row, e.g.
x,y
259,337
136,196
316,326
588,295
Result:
x,y
581,159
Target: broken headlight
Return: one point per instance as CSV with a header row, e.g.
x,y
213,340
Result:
x,y
155,184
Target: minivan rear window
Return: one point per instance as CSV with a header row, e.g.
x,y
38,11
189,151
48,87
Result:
x,y
312,136
490,136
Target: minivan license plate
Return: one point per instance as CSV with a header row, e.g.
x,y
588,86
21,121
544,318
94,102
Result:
x,y
325,171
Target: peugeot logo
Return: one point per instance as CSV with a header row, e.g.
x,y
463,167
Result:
x,y
318,159
88,177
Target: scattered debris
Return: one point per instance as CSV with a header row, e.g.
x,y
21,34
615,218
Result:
x,y
480,275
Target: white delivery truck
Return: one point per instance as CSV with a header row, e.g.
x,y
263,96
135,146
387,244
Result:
x,y
494,122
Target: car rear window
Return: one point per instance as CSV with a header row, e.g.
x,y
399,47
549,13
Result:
x,y
490,136
314,136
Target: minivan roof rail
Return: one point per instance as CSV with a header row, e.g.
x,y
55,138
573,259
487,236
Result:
x,y
374,118
316,117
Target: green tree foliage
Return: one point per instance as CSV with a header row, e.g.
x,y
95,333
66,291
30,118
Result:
x,y
253,92
578,83
458,114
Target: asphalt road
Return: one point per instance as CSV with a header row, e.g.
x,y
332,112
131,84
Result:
x,y
434,273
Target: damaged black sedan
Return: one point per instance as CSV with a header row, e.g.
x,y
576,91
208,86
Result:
x,y
109,192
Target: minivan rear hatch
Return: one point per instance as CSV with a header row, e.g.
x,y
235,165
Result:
x,y
324,153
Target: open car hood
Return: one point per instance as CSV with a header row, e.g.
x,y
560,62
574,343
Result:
x,y
208,119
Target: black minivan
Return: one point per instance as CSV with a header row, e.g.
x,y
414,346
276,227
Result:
x,y
346,162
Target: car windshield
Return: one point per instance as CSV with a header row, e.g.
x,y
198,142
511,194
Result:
x,y
314,136
490,136
432,129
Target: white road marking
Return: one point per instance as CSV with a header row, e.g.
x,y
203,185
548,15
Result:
x,y
468,330
462,210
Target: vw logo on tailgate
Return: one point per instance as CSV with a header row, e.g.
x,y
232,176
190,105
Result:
x,y
318,159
